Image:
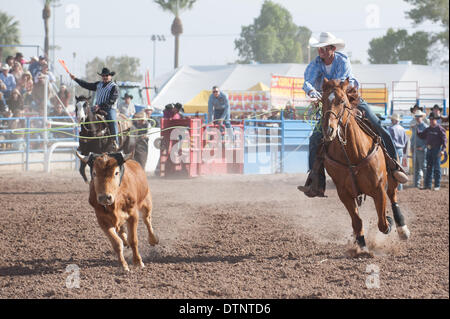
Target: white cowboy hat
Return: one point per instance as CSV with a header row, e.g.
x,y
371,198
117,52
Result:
x,y
5,67
326,38
419,113
395,117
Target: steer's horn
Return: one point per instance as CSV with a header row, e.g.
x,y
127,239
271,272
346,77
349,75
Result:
x,y
82,158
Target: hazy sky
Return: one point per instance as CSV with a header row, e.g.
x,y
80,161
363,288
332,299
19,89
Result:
x,y
115,27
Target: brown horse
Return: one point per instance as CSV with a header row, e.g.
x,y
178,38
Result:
x,y
355,160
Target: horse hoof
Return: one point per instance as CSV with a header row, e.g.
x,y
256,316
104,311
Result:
x,y
403,232
390,222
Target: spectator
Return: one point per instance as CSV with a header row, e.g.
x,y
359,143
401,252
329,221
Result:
x,y
436,110
58,111
4,109
127,107
418,146
46,72
289,112
38,95
25,83
141,123
15,103
218,108
415,108
178,111
34,66
436,141
8,79
154,122
19,58
64,95
17,71
400,140
10,61
168,111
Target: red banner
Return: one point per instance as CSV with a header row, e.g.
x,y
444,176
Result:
x,y
248,101
284,89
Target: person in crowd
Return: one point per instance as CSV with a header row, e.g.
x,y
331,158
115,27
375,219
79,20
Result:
x,y
8,79
34,66
400,139
127,107
154,121
141,123
46,72
10,61
289,111
64,95
335,65
436,141
437,110
19,58
178,111
218,108
38,95
4,109
168,112
107,94
15,103
415,108
418,147
25,83
17,71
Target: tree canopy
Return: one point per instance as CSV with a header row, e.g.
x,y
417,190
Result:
x,y
433,10
126,68
399,46
9,34
273,37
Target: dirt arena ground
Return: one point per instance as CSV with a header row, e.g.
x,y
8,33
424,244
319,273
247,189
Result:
x,y
220,237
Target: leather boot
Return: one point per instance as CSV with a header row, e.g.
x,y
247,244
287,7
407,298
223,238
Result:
x,y
313,187
398,172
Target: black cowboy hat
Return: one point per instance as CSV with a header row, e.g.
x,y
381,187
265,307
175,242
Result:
x,y
127,95
436,106
431,116
106,71
416,107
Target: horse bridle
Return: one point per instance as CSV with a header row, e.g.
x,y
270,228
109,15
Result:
x,y
339,116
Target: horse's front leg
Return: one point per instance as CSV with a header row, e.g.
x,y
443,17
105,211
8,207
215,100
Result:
x,y
402,229
357,225
384,221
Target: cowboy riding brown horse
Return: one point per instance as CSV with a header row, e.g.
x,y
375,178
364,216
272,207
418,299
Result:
x,y
354,157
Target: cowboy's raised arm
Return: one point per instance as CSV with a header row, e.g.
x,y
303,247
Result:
x,y
86,85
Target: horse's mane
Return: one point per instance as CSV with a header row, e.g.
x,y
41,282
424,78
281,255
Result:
x,y
353,97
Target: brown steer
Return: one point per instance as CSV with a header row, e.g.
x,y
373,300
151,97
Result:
x,y
118,190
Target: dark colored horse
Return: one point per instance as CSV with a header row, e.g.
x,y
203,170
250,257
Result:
x,y
355,160
94,133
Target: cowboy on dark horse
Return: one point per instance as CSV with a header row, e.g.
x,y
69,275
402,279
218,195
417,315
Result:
x,y
335,65
107,93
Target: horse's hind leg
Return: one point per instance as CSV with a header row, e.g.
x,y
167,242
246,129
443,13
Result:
x,y
357,226
402,229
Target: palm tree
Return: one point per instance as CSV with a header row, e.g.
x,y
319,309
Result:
x,y
46,16
176,7
9,31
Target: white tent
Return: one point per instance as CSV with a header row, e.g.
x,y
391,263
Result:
x,y
186,82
